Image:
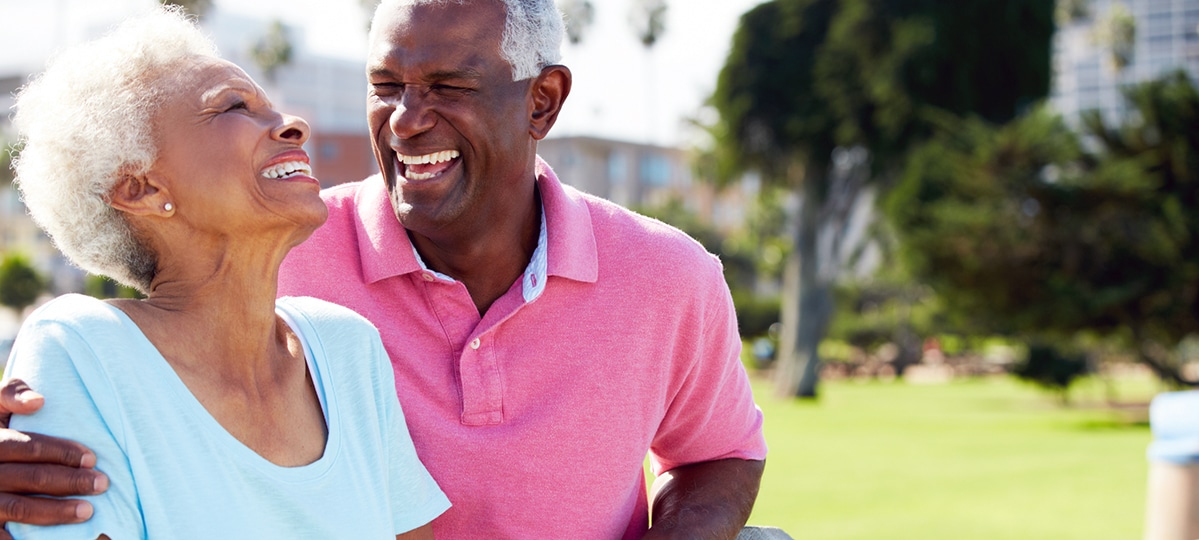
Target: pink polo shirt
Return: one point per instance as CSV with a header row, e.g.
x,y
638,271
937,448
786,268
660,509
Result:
x,y
535,418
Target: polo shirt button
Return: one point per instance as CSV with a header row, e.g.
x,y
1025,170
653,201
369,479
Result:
x,y
427,276
475,344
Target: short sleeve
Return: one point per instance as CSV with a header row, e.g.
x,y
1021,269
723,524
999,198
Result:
x,y
415,497
1174,418
713,414
60,365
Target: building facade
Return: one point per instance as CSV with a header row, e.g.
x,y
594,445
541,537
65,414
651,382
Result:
x,y
330,93
636,175
1088,73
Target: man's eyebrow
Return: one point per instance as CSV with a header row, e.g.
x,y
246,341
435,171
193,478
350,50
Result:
x,y
450,74
440,75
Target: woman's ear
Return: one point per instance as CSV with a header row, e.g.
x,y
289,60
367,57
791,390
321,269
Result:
x,y
141,195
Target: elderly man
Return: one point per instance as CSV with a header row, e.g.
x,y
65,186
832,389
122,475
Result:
x,y
543,340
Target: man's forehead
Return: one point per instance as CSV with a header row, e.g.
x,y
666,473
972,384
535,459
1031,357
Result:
x,y
393,9
442,31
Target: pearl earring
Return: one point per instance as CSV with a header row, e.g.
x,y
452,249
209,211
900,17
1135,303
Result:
x,y
168,207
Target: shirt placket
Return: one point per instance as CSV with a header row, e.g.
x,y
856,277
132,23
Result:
x,y
479,377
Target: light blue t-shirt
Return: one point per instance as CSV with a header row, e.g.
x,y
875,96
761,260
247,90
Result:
x,y
175,472
1174,417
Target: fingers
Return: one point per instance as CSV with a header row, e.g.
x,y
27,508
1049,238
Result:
x,y
16,397
41,511
34,448
54,480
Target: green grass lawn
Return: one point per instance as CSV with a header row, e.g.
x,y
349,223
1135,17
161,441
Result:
x,y
974,459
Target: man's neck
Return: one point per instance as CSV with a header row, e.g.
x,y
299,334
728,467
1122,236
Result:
x,y
487,262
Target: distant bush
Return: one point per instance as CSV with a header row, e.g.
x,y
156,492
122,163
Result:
x,y
20,283
102,287
755,314
1052,369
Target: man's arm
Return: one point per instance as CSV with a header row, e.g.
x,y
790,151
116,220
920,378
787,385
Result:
x,y
39,464
708,500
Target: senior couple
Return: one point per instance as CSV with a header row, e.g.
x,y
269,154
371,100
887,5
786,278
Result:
x,y
541,341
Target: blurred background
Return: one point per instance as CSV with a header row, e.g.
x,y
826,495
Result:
x,y
962,237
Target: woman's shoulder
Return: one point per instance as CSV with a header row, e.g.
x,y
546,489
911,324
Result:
x,y
75,310
323,314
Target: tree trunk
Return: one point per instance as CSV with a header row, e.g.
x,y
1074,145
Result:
x,y
807,299
1157,358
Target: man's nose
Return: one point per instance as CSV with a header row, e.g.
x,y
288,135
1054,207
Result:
x,y
412,114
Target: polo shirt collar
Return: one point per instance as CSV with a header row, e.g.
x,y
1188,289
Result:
x,y
383,244
571,238
565,245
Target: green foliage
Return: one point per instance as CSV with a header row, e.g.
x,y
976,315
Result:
x,y
1051,368
806,76
20,283
885,309
1023,231
102,287
7,152
273,50
1117,32
966,212
755,314
1070,11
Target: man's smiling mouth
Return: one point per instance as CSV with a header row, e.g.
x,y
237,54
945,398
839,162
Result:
x,y
427,166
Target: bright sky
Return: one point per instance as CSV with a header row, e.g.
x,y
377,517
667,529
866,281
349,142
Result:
x,y
620,89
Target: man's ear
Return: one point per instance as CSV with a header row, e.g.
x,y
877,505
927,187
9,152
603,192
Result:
x,y
140,195
547,94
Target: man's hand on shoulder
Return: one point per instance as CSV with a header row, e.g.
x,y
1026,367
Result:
x,y
43,465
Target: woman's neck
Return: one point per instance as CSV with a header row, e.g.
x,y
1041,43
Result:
x,y
222,311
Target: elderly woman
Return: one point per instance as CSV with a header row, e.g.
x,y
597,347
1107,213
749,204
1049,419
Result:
x,y
215,410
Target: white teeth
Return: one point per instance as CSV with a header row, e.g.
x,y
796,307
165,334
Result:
x,y
434,158
289,168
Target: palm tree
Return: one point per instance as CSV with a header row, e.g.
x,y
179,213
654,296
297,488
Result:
x,y
579,15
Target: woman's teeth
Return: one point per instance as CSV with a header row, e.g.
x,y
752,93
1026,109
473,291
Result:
x,y
290,168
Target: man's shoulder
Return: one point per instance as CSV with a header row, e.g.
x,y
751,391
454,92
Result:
x,y
344,196
623,229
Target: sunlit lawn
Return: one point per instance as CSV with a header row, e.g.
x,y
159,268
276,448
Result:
x,y
976,459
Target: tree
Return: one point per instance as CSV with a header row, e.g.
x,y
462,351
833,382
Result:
x,y
199,8
648,20
1052,369
1071,11
273,50
825,97
1117,32
102,287
20,283
7,151
1030,233
578,16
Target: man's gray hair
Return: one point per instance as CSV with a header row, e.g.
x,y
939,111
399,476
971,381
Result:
x,y
84,124
533,32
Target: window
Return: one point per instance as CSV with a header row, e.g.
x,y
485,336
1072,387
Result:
x,y
617,167
654,170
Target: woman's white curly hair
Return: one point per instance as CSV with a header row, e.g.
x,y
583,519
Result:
x,y
86,122
533,33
